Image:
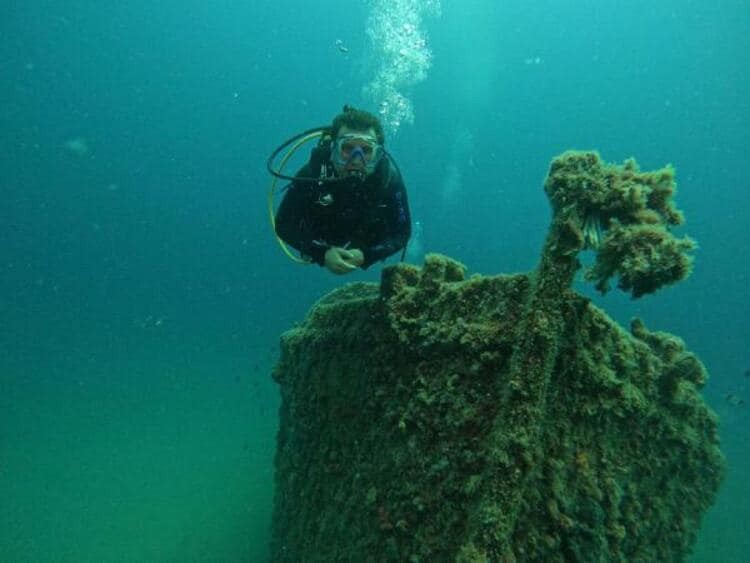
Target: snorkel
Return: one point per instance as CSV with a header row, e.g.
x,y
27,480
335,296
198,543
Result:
x,y
357,172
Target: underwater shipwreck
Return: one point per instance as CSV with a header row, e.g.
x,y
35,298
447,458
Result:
x,y
439,417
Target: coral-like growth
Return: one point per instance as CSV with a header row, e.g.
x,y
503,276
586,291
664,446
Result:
x,y
646,257
402,438
503,418
625,215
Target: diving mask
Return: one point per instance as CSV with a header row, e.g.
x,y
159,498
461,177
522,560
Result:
x,y
346,149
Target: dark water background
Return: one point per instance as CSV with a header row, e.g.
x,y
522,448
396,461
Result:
x,y
142,294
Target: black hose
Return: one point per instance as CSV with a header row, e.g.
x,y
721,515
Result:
x,y
285,144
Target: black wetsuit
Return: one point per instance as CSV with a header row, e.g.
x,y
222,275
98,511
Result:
x,y
370,215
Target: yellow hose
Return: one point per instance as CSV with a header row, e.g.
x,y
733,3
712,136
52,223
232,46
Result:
x,y
272,193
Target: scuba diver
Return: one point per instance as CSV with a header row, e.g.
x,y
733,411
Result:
x,y
347,207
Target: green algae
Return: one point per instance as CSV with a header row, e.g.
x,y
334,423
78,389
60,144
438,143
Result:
x,y
626,215
498,418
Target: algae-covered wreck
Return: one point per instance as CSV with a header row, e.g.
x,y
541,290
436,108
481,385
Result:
x,y
502,418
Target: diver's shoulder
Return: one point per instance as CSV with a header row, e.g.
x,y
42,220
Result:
x,y
395,179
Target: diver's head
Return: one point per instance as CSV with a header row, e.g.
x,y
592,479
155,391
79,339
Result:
x,y
357,145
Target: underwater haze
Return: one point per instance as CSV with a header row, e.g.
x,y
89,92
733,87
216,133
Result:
x,y
143,293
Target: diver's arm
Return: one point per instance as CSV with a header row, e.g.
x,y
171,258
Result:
x,y
398,228
294,225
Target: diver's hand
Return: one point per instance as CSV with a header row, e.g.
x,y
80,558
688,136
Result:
x,y
356,256
342,261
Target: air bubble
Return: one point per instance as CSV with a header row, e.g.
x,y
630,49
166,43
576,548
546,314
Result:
x,y
399,45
